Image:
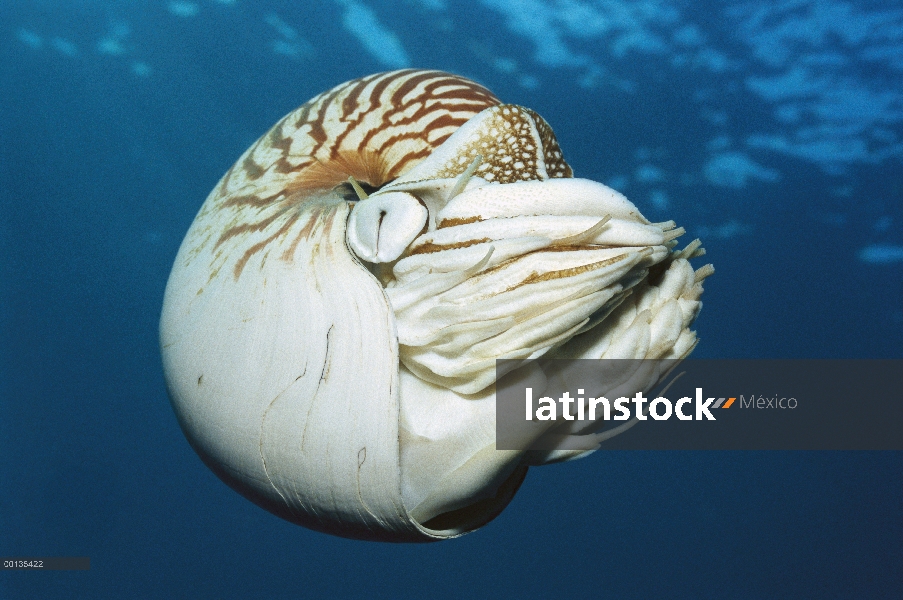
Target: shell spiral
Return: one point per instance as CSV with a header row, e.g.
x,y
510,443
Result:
x,y
351,394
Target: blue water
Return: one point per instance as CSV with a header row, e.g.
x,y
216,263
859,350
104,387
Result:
x,y
773,130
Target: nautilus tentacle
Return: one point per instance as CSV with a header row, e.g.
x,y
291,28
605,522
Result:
x,y
332,322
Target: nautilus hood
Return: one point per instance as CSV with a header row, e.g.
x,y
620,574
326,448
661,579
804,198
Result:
x,y
332,322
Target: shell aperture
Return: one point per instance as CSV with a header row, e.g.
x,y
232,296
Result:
x,y
333,360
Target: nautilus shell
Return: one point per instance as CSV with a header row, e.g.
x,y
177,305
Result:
x,y
332,322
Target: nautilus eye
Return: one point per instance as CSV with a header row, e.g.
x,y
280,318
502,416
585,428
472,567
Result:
x,y
332,357
381,228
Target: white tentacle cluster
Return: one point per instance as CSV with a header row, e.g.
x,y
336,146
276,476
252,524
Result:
x,y
530,266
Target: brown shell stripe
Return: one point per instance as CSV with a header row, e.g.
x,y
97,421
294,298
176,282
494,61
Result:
x,y
374,129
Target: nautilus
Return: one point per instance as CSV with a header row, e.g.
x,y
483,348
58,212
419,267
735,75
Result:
x,y
331,324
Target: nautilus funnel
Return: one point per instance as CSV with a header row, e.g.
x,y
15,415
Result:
x,y
333,317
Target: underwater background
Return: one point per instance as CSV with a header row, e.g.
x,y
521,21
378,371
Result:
x,y
771,129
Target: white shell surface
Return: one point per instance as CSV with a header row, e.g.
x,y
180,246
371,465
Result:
x,y
279,347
